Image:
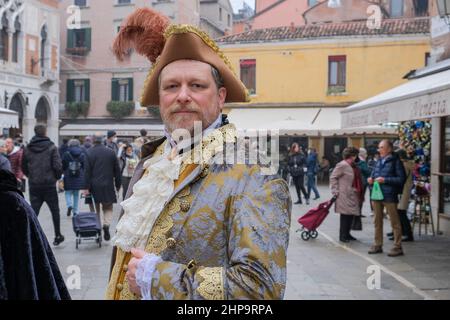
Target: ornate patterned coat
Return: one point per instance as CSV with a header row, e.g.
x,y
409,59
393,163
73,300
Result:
x,y
222,235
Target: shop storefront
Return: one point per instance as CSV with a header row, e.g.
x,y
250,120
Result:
x,y
425,97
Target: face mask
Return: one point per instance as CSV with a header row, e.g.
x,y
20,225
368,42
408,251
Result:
x,y
129,154
114,140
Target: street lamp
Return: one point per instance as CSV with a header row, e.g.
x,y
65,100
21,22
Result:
x,y
444,10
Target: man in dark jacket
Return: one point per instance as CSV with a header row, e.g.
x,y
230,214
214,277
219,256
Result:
x,y
101,173
111,142
390,174
312,168
28,269
42,165
73,165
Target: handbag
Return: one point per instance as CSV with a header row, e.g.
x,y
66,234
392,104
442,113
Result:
x,y
376,193
357,223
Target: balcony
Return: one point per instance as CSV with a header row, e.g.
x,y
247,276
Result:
x,y
78,51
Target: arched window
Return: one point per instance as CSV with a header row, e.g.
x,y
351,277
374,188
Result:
x,y
4,38
15,43
43,45
41,113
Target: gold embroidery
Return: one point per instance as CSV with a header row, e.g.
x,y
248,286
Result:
x,y
211,287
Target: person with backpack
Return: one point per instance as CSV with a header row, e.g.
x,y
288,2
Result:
x,y
42,165
73,166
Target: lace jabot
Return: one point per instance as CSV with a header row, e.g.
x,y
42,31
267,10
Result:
x,y
153,190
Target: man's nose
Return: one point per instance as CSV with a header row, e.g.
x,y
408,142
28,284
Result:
x,y
184,95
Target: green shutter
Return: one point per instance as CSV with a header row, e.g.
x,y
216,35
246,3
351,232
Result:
x,y
115,90
70,91
70,34
87,34
87,90
130,89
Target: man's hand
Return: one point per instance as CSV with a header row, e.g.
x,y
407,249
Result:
x,y
370,181
138,254
380,179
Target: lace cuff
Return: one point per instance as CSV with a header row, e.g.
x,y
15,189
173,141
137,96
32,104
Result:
x,y
144,272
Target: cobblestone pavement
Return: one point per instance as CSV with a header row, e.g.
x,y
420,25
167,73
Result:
x,y
317,269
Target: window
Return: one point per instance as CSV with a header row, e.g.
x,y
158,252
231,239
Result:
x,y
78,90
220,14
43,45
421,8
445,182
15,43
312,3
123,1
78,41
337,73
248,74
80,3
427,59
122,89
4,38
396,8
229,20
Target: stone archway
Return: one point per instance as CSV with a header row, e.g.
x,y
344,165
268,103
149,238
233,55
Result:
x,y
18,105
42,113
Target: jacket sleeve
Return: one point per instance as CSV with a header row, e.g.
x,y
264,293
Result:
x,y
258,236
334,178
87,173
399,177
25,163
117,174
56,163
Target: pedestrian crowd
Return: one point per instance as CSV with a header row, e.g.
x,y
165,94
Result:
x,y
94,170
388,176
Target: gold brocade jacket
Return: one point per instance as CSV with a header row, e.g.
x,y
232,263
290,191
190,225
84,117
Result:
x,y
222,235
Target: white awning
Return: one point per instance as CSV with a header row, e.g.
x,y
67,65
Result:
x,y
121,129
298,121
8,118
421,98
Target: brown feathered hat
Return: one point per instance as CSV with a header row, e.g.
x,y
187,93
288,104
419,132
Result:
x,y
151,35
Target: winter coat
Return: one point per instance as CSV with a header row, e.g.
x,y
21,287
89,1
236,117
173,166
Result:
x,y
4,163
394,176
311,164
71,182
28,268
123,160
101,173
406,194
365,171
296,164
15,157
341,183
41,162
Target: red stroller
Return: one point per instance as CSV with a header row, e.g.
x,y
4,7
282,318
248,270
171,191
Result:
x,y
313,219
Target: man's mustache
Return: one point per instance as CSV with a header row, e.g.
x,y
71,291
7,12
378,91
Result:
x,y
179,108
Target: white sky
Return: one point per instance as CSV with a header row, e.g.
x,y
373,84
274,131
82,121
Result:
x,y
237,4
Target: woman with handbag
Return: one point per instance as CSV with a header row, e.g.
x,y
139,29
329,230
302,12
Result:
x,y
346,184
296,165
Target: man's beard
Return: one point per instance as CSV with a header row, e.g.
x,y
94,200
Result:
x,y
174,121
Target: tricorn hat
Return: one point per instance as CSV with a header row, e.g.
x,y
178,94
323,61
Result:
x,y
151,35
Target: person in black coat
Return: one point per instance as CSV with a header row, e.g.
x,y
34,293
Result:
x,y
296,165
28,269
101,174
42,165
73,166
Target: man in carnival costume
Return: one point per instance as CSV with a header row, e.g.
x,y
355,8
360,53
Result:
x,y
202,229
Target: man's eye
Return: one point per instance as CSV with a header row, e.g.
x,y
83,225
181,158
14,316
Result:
x,y
171,86
197,85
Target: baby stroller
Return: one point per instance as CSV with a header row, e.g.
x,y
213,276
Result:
x,y
313,219
86,225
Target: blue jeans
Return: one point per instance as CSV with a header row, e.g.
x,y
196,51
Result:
x,y
312,185
75,195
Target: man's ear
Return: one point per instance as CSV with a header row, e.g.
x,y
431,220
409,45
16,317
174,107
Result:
x,y
222,96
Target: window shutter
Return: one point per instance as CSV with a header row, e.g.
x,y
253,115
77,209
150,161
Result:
x,y
70,91
87,90
130,89
70,34
87,34
115,90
